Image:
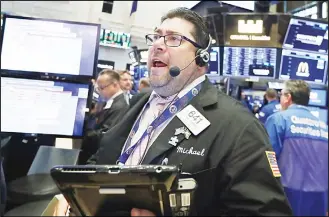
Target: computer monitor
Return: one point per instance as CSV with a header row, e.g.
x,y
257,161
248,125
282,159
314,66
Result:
x,y
311,67
43,107
254,97
320,113
49,47
318,97
250,62
251,29
307,35
214,62
275,85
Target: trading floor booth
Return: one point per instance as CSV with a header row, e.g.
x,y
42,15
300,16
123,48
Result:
x,y
45,94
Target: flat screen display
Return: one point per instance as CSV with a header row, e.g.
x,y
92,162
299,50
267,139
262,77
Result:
x,y
275,85
307,35
249,62
43,107
214,62
318,97
252,30
254,97
311,67
44,46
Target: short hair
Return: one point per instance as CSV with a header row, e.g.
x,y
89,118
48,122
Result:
x,y
145,82
271,93
299,91
200,32
122,72
111,73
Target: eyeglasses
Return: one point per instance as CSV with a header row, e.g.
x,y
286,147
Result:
x,y
170,40
98,88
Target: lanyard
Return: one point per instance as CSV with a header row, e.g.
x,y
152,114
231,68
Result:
x,y
165,115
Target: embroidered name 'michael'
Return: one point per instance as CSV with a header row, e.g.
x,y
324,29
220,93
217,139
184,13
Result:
x,y
190,151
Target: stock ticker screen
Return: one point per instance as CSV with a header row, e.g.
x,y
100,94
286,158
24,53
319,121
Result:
x,y
307,35
311,67
214,62
249,62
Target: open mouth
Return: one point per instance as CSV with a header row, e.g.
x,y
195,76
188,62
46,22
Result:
x,y
158,63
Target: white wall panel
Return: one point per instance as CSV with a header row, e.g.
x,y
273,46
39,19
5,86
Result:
x,y
119,56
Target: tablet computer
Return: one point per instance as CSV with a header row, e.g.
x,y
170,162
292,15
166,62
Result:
x,y
99,190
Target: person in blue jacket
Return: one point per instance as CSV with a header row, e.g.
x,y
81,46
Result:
x,y
300,141
271,107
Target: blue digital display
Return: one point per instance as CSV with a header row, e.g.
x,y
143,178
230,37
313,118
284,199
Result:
x,y
320,113
307,35
140,71
318,97
254,97
214,62
249,62
306,66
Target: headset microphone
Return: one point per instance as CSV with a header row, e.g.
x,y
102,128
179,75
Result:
x,y
174,71
203,59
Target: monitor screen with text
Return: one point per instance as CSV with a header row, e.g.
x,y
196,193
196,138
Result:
x,y
307,35
43,107
249,62
52,47
318,97
310,67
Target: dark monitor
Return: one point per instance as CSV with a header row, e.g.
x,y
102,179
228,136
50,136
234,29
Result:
x,y
311,67
214,62
318,97
249,62
320,113
104,64
251,29
43,107
34,46
307,35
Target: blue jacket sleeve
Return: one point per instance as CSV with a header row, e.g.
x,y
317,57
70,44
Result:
x,y
275,128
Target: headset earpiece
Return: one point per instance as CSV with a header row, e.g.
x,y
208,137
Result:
x,y
203,55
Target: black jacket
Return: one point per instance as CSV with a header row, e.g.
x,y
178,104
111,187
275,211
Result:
x,y
107,118
234,176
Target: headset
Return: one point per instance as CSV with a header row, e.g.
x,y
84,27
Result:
x,y
202,57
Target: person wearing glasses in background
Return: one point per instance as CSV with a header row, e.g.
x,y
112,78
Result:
x,y
186,120
108,87
300,141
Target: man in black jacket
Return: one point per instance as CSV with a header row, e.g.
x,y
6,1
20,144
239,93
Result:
x,y
186,121
108,86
